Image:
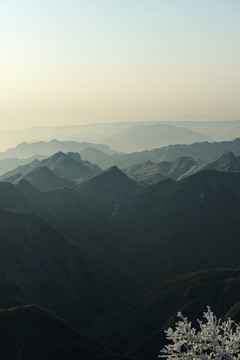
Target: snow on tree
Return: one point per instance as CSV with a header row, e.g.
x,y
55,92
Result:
x,y
215,339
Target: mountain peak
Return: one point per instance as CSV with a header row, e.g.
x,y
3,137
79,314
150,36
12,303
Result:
x,y
113,169
111,183
74,155
43,178
57,155
228,155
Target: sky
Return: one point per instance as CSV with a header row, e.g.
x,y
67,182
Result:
x,y
67,62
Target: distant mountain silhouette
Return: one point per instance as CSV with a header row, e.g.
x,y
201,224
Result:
x,y
43,178
69,165
53,172
48,148
16,173
150,172
227,162
200,152
148,136
97,156
117,132
9,164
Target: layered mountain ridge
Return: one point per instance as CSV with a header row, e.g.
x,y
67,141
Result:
x,y
82,242
55,171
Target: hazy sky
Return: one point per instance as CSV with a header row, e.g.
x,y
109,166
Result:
x,y
73,61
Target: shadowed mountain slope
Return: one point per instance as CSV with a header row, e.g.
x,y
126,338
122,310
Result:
x,y
53,172
69,165
68,213
156,226
111,183
107,190
138,328
227,162
44,179
16,173
178,227
96,156
9,164
65,210
39,265
11,198
32,333
218,192
145,173
56,251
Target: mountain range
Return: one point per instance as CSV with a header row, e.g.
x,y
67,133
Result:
x,y
62,169
47,148
104,157
149,172
110,251
227,162
55,171
133,136
149,136
12,163
201,153
143,213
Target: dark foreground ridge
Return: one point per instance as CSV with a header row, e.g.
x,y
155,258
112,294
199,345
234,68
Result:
x,y
32,333
138,328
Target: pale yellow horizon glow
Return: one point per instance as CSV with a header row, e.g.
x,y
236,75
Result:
x,y
131,61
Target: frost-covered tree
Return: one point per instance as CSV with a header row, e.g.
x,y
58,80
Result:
x,y
215,339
